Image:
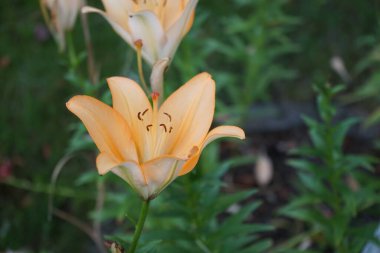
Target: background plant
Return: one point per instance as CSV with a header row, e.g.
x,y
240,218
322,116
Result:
x,y
250,49
337,191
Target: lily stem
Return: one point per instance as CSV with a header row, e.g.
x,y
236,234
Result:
x,y
91,65
73,59
139,226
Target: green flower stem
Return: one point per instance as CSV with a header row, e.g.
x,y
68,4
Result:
x,y
73,59
139,226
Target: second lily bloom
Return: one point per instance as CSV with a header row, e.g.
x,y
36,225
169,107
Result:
x,y
159,24
149,145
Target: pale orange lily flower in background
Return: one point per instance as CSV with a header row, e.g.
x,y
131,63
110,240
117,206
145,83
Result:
x,y
60,16
149,146
159,24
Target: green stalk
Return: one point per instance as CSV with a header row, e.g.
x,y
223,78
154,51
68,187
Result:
x,y
139,226
73,59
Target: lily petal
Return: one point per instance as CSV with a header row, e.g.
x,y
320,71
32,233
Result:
x,y
218,132
132,173
131,102
106,127
191,110
145,26
223,131
120,28
119,10
160,172
176,32
172,12
105,162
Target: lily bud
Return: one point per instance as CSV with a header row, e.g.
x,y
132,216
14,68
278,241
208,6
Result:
x,y
60,16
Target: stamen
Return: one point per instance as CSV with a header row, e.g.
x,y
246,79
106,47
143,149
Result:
x,y
169,116
148,127
139,44
141,114
170,129
164,126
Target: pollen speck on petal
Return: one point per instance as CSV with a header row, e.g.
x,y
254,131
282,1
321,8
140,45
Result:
x,y
193,151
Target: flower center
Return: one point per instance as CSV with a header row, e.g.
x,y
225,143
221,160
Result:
x,y
150,4
156,127
156,6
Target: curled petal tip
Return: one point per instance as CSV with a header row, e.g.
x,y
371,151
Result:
x,y
111,79
87,9
241,135
208,74
114,79
205,74
69,103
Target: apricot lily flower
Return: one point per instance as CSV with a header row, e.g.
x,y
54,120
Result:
x,y
60,16
159,24
149,146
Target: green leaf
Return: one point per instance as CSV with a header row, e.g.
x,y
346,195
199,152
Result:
x,y
258,247
226,201
87,177
373,119
340,130
149,247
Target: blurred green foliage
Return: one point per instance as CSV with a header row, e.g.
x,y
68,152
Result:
x,y
335,189
257,51
242,48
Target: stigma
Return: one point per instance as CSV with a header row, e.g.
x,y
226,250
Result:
x,y
152,122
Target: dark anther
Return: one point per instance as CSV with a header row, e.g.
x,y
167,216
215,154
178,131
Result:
x,y
170,129
148,127
170,117
163,125
139,115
